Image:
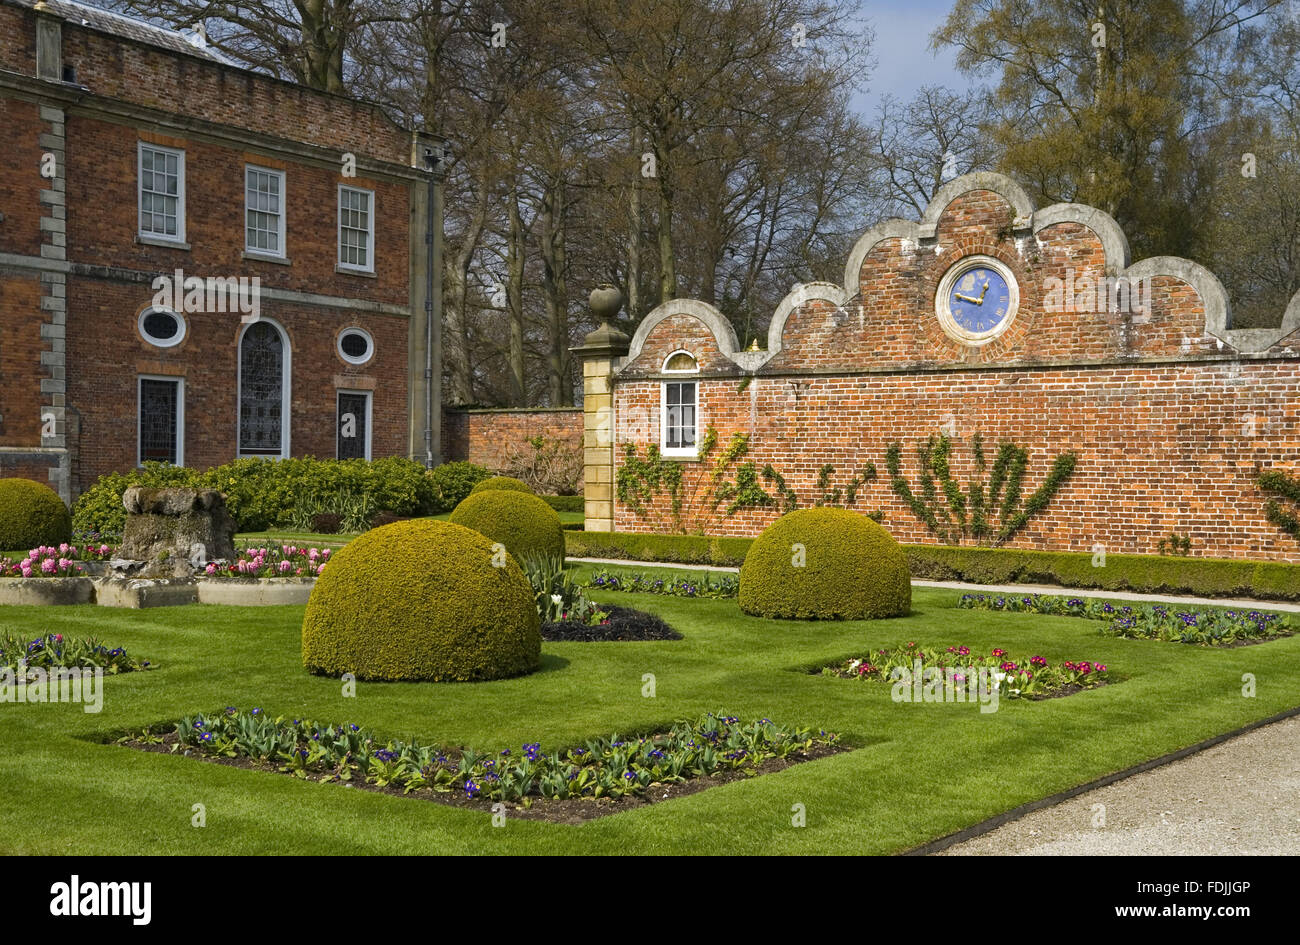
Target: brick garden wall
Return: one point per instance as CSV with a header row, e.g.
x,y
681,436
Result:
x,y
492,437
1170,425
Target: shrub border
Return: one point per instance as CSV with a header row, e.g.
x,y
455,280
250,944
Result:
x,y
1143,574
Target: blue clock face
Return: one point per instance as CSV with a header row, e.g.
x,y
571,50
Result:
x,y
979,300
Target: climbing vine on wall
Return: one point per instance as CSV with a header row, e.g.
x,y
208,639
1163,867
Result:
x,y
698,493
1283,486
987,512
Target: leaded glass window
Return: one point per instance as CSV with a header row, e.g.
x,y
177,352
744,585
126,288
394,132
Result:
x,y
159,421
353,430
261,391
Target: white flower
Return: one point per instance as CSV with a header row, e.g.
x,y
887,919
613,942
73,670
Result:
x,y
557,600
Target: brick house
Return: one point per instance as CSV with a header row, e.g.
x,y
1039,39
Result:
x,y
1026,325
198,262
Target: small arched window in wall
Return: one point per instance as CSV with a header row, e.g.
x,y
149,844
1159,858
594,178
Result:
x,y
679,417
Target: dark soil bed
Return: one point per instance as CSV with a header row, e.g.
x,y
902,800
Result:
x,y
553,810
624,624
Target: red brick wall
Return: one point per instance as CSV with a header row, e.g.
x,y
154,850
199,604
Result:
x,y
21,183
103,387
102,222
1161,446
492,437
20,358
228,95
18,40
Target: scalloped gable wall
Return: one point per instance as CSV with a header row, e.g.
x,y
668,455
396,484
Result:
x,y
1158,408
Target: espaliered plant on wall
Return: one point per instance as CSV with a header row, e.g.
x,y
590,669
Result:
x,y
1284,486
827,494
699,493
989,513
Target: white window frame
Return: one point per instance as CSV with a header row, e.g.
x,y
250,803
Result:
x,y
286,392
370,351
284,213
683,452
165,342
370,231
370,412
179,238
679,376
180,415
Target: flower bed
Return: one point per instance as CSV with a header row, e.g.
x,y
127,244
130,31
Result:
x,y
707,585
49,561
1147,621
1028,677
616,767
53,651
615,623
270,562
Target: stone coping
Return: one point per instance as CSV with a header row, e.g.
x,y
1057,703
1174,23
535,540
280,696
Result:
x,y
136,593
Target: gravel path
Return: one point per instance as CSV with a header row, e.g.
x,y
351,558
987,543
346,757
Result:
x,y
1238,798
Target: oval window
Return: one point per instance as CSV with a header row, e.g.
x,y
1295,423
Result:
x,y
356,346
162,328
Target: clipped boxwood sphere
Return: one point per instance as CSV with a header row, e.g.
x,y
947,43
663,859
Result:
x,y
852,569
421,600
525,524
502,482
31,514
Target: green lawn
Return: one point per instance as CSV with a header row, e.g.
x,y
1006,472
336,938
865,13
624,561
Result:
x,y
920,771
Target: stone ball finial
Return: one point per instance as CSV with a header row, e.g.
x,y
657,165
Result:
x,y
605,301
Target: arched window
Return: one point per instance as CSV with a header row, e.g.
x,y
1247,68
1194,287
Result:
x,y
679,407
680,362
263,390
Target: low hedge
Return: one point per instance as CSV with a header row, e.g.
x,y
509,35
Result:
x,y
1141,574
564,503
261,493
451,483
677,549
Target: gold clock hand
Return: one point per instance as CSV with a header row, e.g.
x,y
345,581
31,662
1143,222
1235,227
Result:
x,y
967,298
982,294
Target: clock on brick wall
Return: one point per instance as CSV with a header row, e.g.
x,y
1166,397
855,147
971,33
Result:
x,y
977,299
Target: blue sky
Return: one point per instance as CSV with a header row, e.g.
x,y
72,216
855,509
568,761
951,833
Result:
x,y
904,60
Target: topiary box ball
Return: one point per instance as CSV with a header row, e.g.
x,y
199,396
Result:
x,y
526,525
825,564
31,514
421,600
502,482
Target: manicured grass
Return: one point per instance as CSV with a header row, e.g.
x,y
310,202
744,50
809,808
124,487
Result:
x,y
921,771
